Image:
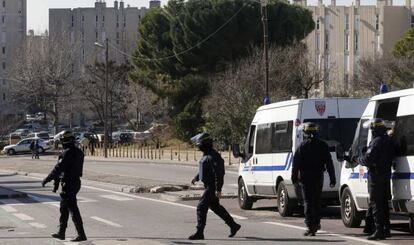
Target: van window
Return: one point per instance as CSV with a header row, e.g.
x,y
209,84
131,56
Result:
x,y
404,135
336,131
264,139
250,142
360,139
387,110
282,137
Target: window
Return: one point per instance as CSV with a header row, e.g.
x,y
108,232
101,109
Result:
x,y
3,19
96,18
103,18
96,35
357,23
377,22
4,3
83,18
336,131
326,41
346,82
360,139
347,22
404,135
346,63
282,137
387,110
4,65
317,24
4,96
250,142
346,42
356,42
264,139
4,50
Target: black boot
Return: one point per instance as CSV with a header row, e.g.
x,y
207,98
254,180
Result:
x,y
369,230
60,234
387,232
197,236
309,232
378,235
81,234
234,229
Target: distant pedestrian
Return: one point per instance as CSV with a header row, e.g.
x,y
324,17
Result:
x,y
211,173
70,165
32,149
378,159
310,161
37,149
92,143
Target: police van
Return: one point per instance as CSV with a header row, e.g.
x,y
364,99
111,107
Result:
x,y
397,110
274,134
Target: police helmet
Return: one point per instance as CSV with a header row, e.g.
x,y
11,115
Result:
x,y
67,137
310,128
202,140
376,124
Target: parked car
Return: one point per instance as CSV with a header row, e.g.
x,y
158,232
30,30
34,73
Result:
x,y
22,132
43,135
122,137
24,146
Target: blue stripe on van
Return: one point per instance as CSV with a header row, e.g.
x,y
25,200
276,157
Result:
x,y
271,168
394,176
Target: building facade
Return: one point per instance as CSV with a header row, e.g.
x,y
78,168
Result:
x,y
86,26
12,36
345,34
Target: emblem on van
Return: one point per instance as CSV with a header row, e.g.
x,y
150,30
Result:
x,y
320,107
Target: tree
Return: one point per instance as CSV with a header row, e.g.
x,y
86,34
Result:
x,y
43,74
405,46
92,86
187,41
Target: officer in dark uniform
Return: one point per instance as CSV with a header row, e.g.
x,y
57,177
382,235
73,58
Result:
x,y
69,168
211,173
378,159
310,161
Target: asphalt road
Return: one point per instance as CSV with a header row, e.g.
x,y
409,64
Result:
x,y
119,218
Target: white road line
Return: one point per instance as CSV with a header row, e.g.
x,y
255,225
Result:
x,y
238,217
43,199
71,243
116,198
152,200
38,225
9,209
23,217
327,233
106,221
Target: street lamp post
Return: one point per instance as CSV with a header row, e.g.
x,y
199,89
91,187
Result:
x,y
106,95
265,48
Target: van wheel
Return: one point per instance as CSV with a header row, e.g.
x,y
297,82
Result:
x,y
350,216
11,152
245,202
285,205
411,224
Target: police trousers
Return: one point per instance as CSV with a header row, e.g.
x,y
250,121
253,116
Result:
x,y
312,192
378,210
69,205
209,200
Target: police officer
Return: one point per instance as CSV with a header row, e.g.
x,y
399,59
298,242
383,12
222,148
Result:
x,y
310,161
378,159
211,173
70,167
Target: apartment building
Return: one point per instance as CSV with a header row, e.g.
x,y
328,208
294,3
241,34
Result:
x,y
345,34
13,14
86,26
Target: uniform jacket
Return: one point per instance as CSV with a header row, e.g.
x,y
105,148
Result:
x,y
70,166
311,159
211,170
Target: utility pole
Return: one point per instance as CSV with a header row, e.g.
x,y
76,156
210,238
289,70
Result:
x,y
265,49
106,99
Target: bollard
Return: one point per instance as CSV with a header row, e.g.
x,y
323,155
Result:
x,y
141,152
151,153
179,153
229,155
171,153
195,159
186,155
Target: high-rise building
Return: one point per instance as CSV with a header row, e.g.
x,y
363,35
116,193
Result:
x,y
86,26
344,35
12,37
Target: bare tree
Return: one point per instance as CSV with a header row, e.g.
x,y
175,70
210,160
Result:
x,y
43,72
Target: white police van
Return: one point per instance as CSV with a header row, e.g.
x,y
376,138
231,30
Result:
x,y
266,162
397,110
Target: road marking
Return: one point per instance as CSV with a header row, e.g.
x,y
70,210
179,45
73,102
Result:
x,y
116,198
71,243
9,209
327,233
106,222
23,217
38,225
43,199
238,217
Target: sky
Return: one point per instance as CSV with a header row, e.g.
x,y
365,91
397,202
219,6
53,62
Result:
x,y
38,10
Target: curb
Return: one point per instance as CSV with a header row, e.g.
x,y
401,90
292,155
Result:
x,y
6,174
175,197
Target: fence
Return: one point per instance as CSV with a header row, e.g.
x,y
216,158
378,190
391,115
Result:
x,y
138,151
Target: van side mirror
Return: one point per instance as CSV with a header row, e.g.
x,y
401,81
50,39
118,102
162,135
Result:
x,y
236,151
340,153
